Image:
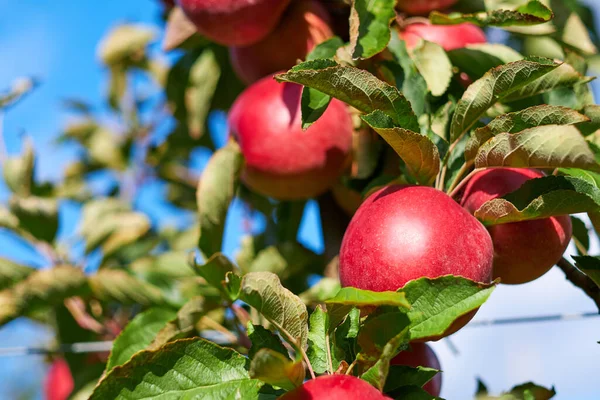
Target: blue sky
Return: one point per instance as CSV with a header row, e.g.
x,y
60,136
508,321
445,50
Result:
x,y
55,41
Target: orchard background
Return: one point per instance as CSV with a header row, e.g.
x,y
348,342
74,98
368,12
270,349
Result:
x,y
57,43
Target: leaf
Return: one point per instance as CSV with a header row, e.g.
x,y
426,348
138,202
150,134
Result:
x,y
476,59
216,189
590,266
118,286
125,43
190,368
19,89
518,121
580,235
325,289
418,152
403,375
12,273
532,13
531,391
319,348
351,296
326,49
277,370
549,146
203,79
576,34
377,331
313,104
178,30
434,65
42,289
37,216
494,86
370,26
437,303
541,198
215,272
413,393
356,87
183,325
262,338
414,86
18,172
287,313
137,335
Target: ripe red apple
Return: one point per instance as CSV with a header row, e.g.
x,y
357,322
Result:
x,y
234,22
523,251
304,25
282,160
450,37
423,7
58,384
335,387
401,233
421,355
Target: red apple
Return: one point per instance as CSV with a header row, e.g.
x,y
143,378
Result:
x,y
450,37
234,22
421,355
523,251
282,160
304,25
423,7
335,387
58,384
401,233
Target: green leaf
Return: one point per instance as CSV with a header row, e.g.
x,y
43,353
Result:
x,y
215,270
18,172
203,79
216,189
434,65
518,121
414,86
403,375
437,303
12,272
326,49
532,13
313,104
576,34
590,266
581,235
549,146
187,368
531,391
121,287
476,59
413,393
42,289
319,349
137,335
350,296
276,369
378,330
370,26
541,198
287,313
262,338
125,43
418,152
19,89
183,325
496,85
356,87
325,289
37,216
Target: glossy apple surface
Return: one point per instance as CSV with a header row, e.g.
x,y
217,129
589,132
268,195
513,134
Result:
x,y
421,355
523,251
423,7
234,22
282,160
58,384
450,37
335,387
304,25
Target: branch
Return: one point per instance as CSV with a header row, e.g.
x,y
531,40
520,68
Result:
x,y
580,280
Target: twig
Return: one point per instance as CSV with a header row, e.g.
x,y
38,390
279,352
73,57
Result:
x,y
76,307
580,280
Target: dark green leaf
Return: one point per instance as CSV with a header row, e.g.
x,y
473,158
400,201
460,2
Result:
x,y
37,215
313,104
476,59
18,172
263,338
370,26
12,273
413,84
276,369
403,375
581,235
183,325
215,272
590,266
319,348
326,49
532,13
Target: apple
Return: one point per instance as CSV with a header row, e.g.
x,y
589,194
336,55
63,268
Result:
x,y
423,7
335,387
450,37
282,160
234,22
421,355
401,233
58,384
526,250
304,25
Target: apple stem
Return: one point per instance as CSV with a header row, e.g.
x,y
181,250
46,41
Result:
x,y
580,280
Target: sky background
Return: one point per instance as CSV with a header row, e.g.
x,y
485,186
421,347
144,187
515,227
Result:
x,y
56,40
